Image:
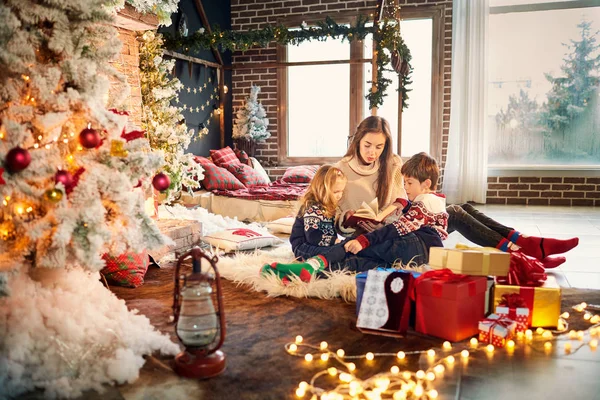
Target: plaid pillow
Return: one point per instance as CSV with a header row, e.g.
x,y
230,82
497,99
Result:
x,y
300,174
216,177
224,157
242,156
127,269
248,176
202,160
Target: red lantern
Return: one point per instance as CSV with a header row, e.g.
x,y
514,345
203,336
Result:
x,y
89,138
17,160
198,326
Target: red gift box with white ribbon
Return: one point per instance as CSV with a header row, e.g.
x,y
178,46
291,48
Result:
x,y
496,330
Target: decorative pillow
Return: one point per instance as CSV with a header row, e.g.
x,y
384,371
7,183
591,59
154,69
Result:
x,y
259,168
247,175
127,269
299,174
242,156
216,177
282,225
240,239
224,157
203,160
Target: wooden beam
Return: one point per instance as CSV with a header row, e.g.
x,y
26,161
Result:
x,y
400,99
206,25
378,16
190,58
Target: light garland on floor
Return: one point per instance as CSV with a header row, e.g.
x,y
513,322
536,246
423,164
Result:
x,y
398,385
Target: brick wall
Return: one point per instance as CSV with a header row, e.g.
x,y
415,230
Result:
x,y
255,14
553,191
127,63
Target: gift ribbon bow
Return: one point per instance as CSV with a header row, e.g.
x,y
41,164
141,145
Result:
x,y
502,321
524,271
512,300
444,275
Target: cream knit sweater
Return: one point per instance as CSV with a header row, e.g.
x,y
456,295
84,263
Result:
x,y
362,183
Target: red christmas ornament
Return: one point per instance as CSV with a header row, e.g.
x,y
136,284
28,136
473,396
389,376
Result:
x,y
2,181
65,177
17,160
161,182
89,138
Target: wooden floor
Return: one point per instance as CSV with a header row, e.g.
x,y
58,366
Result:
x,y
259,368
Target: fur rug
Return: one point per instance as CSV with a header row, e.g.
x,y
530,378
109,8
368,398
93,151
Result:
x,y
243,268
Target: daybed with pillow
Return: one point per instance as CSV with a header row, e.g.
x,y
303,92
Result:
x,y
233,188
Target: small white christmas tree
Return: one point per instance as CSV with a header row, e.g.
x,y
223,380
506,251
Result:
x,y
161,120
251,122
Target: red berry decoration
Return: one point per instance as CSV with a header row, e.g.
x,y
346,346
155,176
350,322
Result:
x,y
161,182
65,177
89,138
17,160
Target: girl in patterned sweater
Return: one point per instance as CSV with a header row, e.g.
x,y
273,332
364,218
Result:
x,y
314,236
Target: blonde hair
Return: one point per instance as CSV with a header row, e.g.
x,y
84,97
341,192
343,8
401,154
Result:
x,y
320,190
376,124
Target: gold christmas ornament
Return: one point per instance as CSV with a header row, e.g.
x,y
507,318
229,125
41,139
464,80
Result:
x,y
53,195
116,149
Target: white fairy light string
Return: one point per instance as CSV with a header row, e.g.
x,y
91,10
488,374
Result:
x,y
396,384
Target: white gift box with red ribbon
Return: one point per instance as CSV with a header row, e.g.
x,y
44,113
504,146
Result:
x,y
496,330
518,314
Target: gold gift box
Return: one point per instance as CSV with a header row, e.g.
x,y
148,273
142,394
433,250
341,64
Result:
x,y
482,262
543,301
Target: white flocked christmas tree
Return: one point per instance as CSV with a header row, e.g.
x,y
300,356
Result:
x,y
251,122
68,176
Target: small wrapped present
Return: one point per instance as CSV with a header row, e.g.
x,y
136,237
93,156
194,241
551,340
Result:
x,y
385,304
513,306
496,330
483,261
449,305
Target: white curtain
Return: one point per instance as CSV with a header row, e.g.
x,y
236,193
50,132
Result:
x,y
465,175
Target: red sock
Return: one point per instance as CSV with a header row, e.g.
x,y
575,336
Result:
x,y
553,262
541,248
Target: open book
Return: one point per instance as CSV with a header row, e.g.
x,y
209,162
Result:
x,y
369,212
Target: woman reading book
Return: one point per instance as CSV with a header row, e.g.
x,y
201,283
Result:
x,y
373,172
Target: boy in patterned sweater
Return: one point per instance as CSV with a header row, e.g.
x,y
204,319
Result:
x,y
426,217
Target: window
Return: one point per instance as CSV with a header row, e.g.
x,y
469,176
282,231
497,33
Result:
x,y
318,100
321,93
419,131
543,95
